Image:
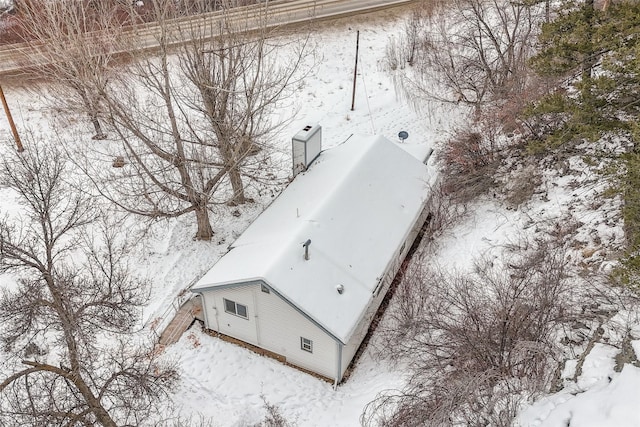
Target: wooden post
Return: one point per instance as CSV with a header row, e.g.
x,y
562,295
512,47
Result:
x,y
11,123
355,71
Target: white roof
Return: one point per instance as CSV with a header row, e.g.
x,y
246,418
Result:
x,y
356,203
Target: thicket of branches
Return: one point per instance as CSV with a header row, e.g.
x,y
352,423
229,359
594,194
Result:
x,y
478,343
469,160
470,51
73,43
69,325
477,53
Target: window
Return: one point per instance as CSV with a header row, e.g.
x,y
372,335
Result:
x,y
306,344
264,288
402,247
235,308
376,291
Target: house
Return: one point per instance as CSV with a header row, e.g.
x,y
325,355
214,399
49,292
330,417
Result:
x,y
307,276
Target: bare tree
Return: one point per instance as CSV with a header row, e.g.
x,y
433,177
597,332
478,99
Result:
x,y
68,326
240,77
273,417
476,50
72,43
475,342
190,123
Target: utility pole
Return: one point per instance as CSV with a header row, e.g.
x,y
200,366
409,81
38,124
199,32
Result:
x,y
11,123
355,71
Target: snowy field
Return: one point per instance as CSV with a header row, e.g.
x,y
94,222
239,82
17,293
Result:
x,y
228,383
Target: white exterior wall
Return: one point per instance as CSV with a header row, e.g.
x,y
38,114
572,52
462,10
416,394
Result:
x,y
221,321
273,324
299,162
281,327
361,330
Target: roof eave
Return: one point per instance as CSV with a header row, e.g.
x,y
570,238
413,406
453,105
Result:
x,y
262,280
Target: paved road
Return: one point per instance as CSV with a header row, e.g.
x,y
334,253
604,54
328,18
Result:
x,y
274,13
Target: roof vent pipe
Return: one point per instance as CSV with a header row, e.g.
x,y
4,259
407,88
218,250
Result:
x,y
306,249
340,289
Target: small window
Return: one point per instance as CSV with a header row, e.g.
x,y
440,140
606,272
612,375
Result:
x,y
235,308
264,288
241,310
306,344
402,247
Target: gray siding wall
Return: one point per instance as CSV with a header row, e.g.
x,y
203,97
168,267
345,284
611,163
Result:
x,y
272,324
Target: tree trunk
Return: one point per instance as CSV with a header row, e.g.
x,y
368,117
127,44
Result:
x,y
589,60
547,11
98,128
93,116
237,186
95,405
205,232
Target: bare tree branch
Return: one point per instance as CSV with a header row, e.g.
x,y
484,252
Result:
x,y
478,342
191,119
76,297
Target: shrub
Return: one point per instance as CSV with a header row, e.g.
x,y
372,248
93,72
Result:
x,y
477,343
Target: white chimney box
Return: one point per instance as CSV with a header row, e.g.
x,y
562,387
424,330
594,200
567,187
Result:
x,y
306,146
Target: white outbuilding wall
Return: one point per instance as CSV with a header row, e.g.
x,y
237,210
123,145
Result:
x,y
272,324
350,349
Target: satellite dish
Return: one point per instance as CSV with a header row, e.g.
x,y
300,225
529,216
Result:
x,y
403,135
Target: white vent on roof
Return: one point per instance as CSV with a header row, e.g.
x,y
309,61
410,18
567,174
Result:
x,y
340,289
306,146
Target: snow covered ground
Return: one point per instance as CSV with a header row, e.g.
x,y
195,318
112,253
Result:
x,y
6,4
228,383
